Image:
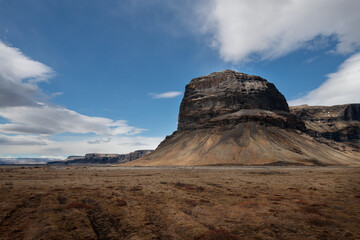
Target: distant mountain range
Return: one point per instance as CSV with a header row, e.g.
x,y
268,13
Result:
x,y
4,161
91,158
98,158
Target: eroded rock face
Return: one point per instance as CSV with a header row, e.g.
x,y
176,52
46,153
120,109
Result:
x,y
352,112
339,123
228,98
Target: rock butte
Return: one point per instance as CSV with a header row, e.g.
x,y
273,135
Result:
x,y
231,118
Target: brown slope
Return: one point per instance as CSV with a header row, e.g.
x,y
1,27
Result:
x,y
246,144
234,118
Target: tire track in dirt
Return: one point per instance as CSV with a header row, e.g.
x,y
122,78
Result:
x,y
105,226
157,225
33,202
166,218
10,223
148,221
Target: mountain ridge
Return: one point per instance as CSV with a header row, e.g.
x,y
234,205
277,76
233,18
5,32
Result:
x,y
234,118
100,158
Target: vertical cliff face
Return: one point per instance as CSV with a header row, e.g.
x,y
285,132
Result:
x,y
340,123
352,112
224,93
234,118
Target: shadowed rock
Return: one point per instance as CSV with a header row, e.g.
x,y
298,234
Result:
x,y
229,96
339,123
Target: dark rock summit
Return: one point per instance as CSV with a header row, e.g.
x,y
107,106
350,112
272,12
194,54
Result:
x,y
229,118
228,95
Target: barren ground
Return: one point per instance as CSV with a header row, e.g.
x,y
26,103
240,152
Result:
x,y
179,203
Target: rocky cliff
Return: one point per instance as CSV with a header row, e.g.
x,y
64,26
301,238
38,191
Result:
x,y
227,98
233,118
339,123
98,158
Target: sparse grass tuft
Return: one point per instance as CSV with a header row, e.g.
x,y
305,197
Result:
x,y
186,186
136,188
79,205
121,202
319,221
217,235
249,204
61,199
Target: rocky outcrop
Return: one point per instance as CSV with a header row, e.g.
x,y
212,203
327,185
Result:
x,y
233,118
98,158
339,123
227,98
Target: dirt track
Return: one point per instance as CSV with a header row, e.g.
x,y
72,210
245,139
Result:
x,y
179,203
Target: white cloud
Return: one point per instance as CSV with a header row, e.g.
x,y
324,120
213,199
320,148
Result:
x,y
341,87
171,94
18,77
245,30
32,122
18,104
80,145
50,119
17,67
29,140
100,140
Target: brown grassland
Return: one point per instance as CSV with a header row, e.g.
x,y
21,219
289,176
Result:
x,y
82,202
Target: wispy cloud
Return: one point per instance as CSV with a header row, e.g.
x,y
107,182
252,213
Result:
x,y
50,119
33,121
18,77
26,114
245,30
80,145
340,87
100,140
171,94
22,140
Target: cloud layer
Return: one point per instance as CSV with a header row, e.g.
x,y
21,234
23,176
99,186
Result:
x,y
171,94
245,30
340,88
22,140
76,145
31,121
27,115
18,77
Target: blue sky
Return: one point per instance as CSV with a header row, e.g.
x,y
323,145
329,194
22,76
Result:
x,y
108,76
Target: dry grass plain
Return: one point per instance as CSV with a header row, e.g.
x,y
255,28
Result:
x,y
81,202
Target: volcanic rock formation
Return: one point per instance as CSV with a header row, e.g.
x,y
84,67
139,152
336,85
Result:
x,y
228,98
233,118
